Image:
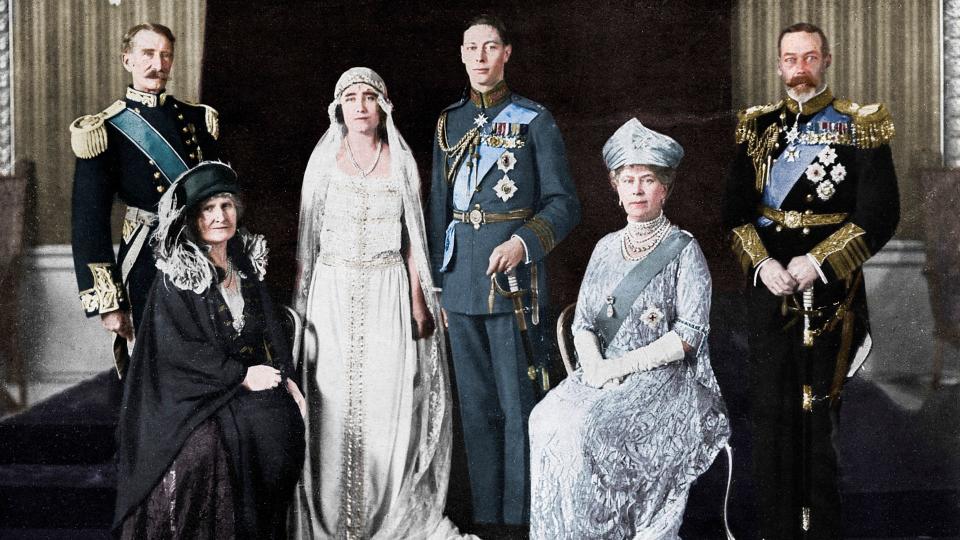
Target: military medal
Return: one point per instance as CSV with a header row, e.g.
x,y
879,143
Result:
x,y
610,301
793,134
792,153
506,161
481,120
505,188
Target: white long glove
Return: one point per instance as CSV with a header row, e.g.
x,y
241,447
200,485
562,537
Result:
x,y
668,348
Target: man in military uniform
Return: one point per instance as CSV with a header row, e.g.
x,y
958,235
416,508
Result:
x,y
133,149
812,194
502,198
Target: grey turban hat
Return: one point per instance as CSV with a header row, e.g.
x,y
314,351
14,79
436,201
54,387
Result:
x,y
635,144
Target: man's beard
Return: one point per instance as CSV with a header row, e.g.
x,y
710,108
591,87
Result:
x,y
802,86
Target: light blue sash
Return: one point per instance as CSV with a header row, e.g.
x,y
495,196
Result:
x,y
467,179
785,174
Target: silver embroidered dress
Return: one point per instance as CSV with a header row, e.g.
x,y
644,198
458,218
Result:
x,y
619,462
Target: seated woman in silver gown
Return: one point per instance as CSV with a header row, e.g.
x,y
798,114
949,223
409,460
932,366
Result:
x,y
617,445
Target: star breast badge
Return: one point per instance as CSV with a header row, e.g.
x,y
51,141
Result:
x,y
505,188
481,120
506,161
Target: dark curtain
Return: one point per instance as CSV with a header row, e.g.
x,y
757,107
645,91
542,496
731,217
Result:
x,y
270,68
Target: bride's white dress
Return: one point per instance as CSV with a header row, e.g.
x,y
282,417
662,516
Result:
x,y
378,450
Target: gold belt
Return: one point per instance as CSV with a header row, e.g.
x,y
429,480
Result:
x,y
793,219
477,217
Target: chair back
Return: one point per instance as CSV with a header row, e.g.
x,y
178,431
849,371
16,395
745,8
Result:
x,y
565,338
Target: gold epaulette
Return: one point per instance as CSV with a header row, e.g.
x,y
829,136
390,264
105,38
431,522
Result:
x,y
211,117
872,124
747,120
88,135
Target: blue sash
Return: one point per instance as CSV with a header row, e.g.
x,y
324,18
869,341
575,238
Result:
x,y
785,174
467,179
150,142
634,282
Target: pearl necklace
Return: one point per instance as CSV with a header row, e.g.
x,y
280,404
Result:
x,y
639,238
353,160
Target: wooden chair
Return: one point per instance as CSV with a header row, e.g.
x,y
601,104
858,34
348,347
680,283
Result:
x,y
565,338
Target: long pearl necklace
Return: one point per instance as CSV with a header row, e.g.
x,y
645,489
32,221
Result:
x,y
641,237
364,173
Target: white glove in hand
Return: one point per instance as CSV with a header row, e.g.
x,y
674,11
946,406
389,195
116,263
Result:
x,y
588,348
668,348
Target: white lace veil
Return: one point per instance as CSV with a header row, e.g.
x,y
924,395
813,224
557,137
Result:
x,y
419,509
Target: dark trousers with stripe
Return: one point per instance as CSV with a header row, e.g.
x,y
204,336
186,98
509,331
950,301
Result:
x,y
496,398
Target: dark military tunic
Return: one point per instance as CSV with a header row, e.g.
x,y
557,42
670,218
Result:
x,y
816,182
111,165
516,181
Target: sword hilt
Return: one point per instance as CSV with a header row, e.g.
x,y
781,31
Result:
x,y
807,308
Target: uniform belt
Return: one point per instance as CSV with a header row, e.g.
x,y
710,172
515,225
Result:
x,y
139,215
793,219
136,231
477,217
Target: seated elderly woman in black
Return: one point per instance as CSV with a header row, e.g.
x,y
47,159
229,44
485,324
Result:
x,y
211,428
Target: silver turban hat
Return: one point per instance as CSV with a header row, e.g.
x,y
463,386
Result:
x,y
635,144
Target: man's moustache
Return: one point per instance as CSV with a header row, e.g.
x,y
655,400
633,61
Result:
x,y
157,75
800,80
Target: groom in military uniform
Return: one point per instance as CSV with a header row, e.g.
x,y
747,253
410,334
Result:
x,y
502,198
812,194
134,149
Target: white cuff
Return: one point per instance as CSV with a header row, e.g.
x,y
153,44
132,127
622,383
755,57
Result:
x,y
526,252
756,271
813,261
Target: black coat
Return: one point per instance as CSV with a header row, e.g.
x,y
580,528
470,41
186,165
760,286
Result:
x,y
188,366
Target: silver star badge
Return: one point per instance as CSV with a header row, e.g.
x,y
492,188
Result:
x,y
793,134
792,154
480,120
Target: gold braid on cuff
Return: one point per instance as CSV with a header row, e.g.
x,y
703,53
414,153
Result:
x,y
106,294
748,247
544,231
845,250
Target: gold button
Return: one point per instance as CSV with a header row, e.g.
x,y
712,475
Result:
x,y
175,106
779,228
808,212
806,231
161,189
185,130
194,139
136,110
156,175
193,156
188,142
152,162
810,197
179,117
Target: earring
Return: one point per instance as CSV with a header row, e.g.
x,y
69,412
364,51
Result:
x,y
619,202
